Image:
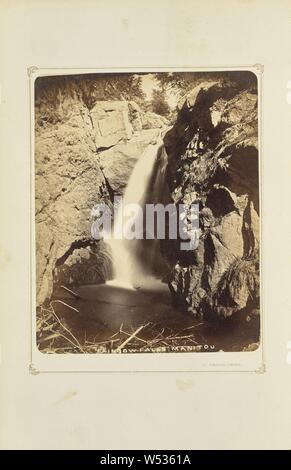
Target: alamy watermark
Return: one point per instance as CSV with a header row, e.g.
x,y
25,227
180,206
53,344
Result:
x,y
148,221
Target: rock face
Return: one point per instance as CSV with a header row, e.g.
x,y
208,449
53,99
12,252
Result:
x,y
213,162
118,161
153,120
82,158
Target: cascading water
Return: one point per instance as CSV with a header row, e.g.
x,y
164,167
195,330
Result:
x,y
134,260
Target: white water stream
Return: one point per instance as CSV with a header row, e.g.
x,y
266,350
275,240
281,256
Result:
x,y
129,255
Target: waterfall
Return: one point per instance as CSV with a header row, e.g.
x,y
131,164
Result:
x,y
134,260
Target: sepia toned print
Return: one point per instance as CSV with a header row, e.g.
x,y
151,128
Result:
x,y
147,212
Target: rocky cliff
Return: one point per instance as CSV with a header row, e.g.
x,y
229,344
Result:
x,y
82,157
213,161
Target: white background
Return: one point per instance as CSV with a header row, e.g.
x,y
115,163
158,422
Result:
x,y
143,410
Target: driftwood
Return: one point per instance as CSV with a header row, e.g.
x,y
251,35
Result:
x,y
77,296
66,329
131,337
67,305
129,334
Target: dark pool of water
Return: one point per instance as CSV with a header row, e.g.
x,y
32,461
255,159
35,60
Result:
x,y
105,309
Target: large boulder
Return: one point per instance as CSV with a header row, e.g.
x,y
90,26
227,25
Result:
x,y
117,162
111,123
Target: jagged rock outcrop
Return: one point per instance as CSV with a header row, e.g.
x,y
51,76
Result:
x,y
213,162
152,120
118,161
82,157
